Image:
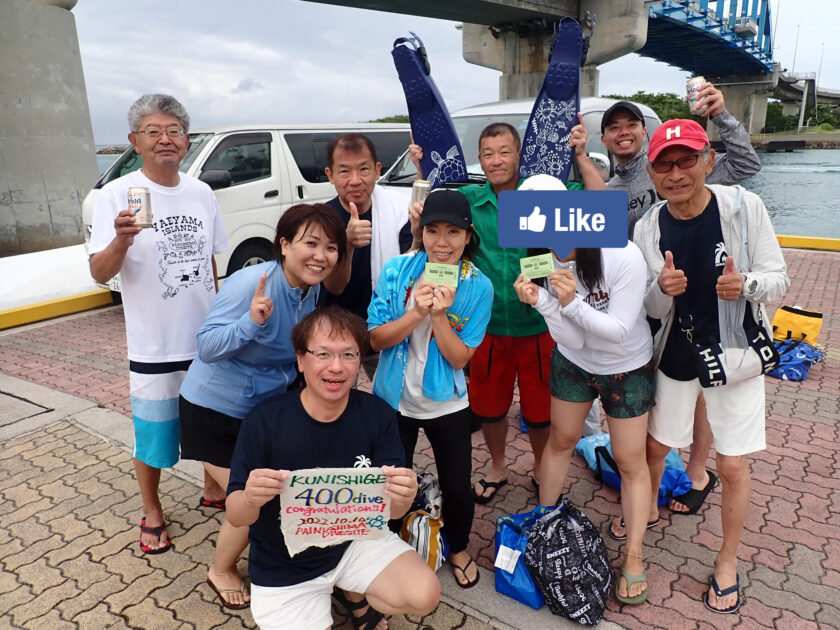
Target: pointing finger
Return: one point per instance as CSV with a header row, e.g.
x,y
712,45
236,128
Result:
x,y
260,292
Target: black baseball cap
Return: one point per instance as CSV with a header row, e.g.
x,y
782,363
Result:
x,y
447,205
625,105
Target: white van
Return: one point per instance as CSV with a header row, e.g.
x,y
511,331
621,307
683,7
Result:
x,y
471,121
257,172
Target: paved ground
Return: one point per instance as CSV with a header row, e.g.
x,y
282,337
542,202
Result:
x,y
69,508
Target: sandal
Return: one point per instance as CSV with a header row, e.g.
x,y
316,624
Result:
x,y
615,536
463,570
694,499
631,579
366,621
156,531
207,503
221,592
492,485
735,588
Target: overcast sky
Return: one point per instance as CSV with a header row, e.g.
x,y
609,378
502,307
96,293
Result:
x,y
297,61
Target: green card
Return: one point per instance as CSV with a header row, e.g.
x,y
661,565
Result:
x,y
537,266
436,273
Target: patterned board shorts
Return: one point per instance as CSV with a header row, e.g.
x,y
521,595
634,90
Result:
x,y
624,395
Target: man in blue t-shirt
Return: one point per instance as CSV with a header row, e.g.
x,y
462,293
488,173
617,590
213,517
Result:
x,y
327,424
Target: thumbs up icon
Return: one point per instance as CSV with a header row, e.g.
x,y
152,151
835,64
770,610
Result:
x,y
535,222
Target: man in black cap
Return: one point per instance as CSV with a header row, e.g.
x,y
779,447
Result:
x,y
624,135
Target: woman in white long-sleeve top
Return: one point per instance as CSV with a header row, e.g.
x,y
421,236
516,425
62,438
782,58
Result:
x,y
593,307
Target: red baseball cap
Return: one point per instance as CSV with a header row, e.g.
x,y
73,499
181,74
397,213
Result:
x,y
677,133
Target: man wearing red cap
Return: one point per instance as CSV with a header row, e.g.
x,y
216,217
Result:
x,y
713,259
623,134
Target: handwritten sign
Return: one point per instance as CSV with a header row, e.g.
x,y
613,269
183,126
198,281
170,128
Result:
x,y
320,507
437,273
534,267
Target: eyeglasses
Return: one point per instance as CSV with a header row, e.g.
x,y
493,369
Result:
x,y
155,134
323,356
665,166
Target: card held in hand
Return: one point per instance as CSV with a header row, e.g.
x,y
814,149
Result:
x,y
438,274
534,267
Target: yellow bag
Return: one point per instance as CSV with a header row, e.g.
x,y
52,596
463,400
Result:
x,y
794,323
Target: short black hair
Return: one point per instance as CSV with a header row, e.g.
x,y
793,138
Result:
x,y
339,321
305,214
499,129
352,143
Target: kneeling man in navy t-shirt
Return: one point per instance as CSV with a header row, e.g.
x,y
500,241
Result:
x,y
327,424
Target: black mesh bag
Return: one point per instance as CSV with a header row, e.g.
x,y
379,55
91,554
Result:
x,y
568,562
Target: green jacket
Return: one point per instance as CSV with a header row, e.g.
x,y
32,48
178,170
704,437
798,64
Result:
x,y
508,316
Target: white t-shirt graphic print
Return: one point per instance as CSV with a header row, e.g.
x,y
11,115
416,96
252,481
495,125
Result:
x,y
167,275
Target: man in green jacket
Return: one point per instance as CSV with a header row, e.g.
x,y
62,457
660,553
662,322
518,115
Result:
x,y
517,345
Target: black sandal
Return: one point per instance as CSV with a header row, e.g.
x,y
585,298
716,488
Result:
x,y
463,570
367,621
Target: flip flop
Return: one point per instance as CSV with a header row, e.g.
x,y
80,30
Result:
x,y
631,580
207,503
463,570
367,621
224,591
156,531
694,499
493,485
615,536
735,588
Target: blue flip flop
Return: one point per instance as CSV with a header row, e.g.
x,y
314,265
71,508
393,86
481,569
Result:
x,y
545,147
735,588
431,125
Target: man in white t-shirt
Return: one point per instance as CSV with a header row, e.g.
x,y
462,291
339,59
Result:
x,y
168,280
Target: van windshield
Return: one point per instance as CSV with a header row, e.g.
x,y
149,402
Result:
x,y
129,161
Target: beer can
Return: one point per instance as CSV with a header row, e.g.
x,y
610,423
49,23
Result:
x,y
140,203
692,87
420,189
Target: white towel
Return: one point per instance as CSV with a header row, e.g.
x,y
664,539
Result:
x,y
391,212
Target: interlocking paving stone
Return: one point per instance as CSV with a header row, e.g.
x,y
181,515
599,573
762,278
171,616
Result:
x,y
70,504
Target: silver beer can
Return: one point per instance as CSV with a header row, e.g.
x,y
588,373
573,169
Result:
x,y
692,87
420,189
140,203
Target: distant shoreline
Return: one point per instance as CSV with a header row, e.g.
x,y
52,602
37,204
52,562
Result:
x,y
112,149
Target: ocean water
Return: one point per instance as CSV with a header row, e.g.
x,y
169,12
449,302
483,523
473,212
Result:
x,y
800,189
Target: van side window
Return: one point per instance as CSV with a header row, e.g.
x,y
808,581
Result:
x,y
309,150
246,156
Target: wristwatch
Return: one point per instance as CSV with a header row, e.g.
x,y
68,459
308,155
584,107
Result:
x,y
750,284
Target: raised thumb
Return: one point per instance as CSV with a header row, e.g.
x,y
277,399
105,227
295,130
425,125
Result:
x,y
669,260
729,266
354,211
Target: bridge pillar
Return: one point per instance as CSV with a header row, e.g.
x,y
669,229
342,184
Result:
x,y
520,51
746,99
47,154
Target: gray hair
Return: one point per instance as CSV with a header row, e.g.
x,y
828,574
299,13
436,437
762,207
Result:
x,y
154,104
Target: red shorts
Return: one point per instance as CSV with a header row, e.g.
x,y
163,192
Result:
x,y
493,374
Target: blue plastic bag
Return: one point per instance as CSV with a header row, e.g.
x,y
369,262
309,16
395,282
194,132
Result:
x,y
595,449
512,532
795,359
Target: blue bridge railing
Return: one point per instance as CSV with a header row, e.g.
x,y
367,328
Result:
x,y
711,37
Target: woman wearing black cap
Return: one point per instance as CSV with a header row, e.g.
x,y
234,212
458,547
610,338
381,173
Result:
x,y
427,332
